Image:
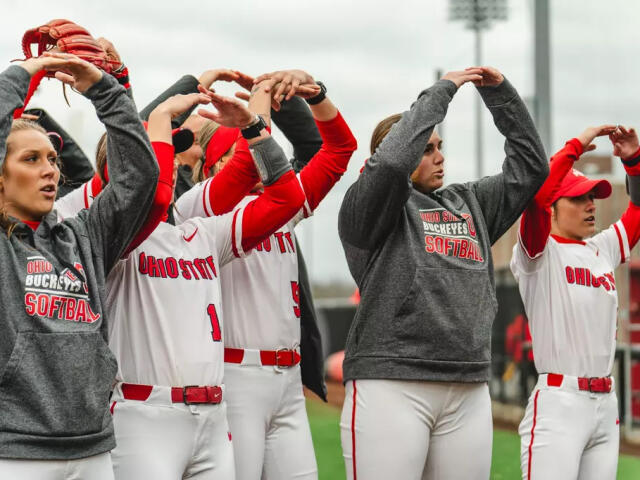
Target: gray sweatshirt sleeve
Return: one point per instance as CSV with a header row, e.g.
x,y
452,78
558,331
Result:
x,y
372,204
185,85
504,197
14,83
119,211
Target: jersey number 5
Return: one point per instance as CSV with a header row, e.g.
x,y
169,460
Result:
x,y
216,334
295,293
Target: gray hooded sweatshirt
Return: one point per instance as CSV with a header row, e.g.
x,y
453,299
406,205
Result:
x,y
423,261
56,370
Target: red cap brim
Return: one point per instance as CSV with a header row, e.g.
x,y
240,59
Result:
x,y
601,188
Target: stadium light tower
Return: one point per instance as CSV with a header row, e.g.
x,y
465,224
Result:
x,y
478,15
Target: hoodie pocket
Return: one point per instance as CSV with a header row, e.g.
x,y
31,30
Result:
x,y
57,384
447,315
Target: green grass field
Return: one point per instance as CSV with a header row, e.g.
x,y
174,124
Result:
x,y
325,429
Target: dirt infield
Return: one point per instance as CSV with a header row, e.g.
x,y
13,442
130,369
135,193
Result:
x,y
335,397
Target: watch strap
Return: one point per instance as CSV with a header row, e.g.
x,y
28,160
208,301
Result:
x,y
253,130
320,96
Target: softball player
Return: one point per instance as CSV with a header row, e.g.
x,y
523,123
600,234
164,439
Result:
x,y
566,279
265,402
169,415
417,356
57,370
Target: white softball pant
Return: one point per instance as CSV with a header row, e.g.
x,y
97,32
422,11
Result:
x,y
269,424
97,467
416,430
569,434
160,440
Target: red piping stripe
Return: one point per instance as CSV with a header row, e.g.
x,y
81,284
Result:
x,y
560,239
112,407
234,247
620,243
535,413
204,198
353,432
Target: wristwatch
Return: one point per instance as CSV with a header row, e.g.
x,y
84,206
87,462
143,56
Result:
x,y
253,129
319,97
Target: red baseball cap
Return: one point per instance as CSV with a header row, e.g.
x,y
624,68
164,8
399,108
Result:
x,y
575,184
182,138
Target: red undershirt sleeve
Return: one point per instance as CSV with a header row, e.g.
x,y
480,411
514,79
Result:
x,y
631,221
535,225
233,182
631,217
164,193
329,164
269,211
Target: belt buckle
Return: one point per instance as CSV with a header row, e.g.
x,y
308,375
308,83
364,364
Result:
x,y
278,351
599,384
184,394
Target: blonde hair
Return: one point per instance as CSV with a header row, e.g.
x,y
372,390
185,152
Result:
x,y
206,133
382,129
18,125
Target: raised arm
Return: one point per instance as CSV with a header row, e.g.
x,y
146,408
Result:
x,y
184,86
626,146
117,214
159,130
120,71
295,121
14,83
535,225
282,196
504,197
329,164
338,143
220,194
372,204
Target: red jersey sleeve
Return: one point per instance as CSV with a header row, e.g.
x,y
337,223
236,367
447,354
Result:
x,y
164,193
268,212
631,217
535,225
327,166
232,183
631,221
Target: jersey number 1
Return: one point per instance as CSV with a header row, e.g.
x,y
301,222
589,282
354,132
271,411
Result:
x,y
216,334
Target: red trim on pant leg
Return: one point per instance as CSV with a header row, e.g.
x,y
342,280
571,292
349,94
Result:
x,y
535,413
353,432
113,405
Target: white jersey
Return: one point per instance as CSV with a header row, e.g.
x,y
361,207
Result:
x,y
569,294
75,201
260,293
164,303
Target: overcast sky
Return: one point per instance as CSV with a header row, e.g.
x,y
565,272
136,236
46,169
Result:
x,y
373,56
